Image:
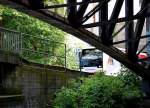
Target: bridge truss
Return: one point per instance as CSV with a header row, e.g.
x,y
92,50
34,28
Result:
x,y
76,23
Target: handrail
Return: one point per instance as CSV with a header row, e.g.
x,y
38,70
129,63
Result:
x,y
12,43
14,31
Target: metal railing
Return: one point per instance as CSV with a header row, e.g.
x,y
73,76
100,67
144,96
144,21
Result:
x,y
37,84
33,48
10,41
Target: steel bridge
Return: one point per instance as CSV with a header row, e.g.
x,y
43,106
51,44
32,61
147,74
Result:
x,y
76,23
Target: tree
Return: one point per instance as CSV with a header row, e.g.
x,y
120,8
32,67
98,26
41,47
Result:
x,y
23,23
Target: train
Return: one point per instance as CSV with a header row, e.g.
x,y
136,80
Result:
x,y
93,60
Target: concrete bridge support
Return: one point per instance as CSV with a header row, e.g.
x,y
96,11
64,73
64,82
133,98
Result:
x,y
5,70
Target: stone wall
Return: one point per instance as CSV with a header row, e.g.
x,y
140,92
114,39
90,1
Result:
x,y
38,83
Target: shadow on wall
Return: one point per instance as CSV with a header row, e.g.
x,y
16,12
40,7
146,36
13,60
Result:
x,y
37,83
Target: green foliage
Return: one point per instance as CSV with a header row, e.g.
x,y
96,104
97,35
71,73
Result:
x,y
131,83
68,100
59,11
128,77
15,20
29,25
72,60
54,1
98,91
130,80
23,23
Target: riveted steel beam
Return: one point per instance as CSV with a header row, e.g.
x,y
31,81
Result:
x,y
94,10
129,31
104,28
81,10
139,26
117,20
72,12
114,15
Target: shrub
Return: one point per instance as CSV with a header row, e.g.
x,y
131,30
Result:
x,y
131,82
129,78
101,92
66,98
98,91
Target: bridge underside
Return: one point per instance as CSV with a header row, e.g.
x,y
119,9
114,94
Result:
x,y
75,25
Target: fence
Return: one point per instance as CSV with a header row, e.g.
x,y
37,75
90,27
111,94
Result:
x,y
32,48
36,83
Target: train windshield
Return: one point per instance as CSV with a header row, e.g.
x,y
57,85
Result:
x,y
91,58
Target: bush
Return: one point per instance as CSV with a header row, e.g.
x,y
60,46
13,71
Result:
x,y
66,98
98,91
129,78
101,92
131,82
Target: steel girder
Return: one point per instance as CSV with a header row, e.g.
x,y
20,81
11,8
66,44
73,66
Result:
x,y
103,16
99,42
129,30
140,25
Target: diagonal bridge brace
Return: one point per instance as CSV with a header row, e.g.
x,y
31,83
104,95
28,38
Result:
x,y
62,23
